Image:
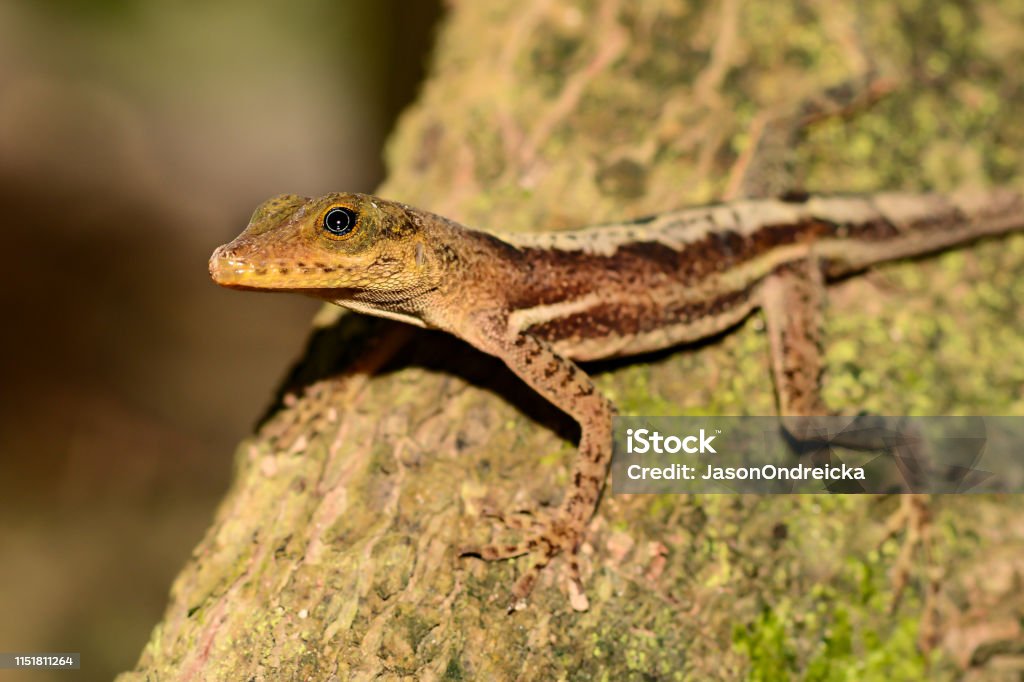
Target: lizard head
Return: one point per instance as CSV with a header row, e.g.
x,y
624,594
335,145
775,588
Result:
x,y
329,247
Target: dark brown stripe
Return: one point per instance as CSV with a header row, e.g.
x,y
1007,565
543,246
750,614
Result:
x,y
608,319
553,275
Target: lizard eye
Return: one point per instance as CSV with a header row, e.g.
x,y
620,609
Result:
x,y
340,221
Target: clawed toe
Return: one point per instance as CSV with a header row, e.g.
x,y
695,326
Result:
x,y
912,520
542,546
519,519
495,551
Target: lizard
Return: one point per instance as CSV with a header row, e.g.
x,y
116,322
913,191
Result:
x,y
541,302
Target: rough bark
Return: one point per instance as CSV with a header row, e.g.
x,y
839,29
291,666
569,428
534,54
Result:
x,y
333,554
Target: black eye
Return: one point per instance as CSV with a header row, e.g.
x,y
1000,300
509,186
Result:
x,y
340,221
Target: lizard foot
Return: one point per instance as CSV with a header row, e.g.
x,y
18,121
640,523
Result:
x,y
549,538
518,519
912,520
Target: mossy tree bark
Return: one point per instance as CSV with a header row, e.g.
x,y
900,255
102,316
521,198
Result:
x,y
333,553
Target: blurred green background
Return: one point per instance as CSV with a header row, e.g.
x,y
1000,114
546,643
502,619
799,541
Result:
x,y
134,138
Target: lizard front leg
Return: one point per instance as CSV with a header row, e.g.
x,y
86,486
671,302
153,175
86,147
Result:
x,y
566,386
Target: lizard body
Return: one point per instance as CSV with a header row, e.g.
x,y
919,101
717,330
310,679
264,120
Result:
x,y
540,301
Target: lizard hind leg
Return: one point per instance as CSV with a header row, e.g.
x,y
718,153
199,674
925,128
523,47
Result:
x,y
792,300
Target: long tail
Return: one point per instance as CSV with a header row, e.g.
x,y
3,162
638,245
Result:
x,y
850,232
891,226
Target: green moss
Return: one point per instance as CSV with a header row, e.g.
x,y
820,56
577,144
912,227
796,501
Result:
x,y
453,671
765,643
854,638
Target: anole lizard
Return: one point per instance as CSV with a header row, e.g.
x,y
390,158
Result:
x,y
541,301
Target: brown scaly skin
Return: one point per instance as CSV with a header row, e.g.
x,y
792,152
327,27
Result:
x,y
539,301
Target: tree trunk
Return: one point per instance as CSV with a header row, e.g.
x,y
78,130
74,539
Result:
x,y
333,555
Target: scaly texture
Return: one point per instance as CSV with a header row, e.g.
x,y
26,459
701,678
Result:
x,y
332,554
600,293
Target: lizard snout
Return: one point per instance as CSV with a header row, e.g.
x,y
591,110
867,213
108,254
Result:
x,y
225,265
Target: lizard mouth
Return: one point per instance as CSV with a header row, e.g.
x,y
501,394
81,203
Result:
x,y
228,269
232,270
